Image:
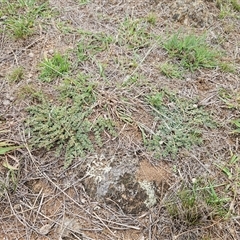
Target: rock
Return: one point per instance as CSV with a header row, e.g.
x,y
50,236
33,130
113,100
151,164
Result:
x,y
45,229
116,183
31,54
6,102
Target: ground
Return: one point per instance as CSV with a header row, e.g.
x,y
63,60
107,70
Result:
x,y
119,119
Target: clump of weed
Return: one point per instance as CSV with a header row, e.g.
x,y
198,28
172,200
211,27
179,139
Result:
x,y
54,67
178,124
196,203
69,127
32,93
16,75
134,33
152,18
227,67
228,8
22,16
191,51
231,99
92,43
171,70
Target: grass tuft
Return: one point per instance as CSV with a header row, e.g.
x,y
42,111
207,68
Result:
x,y
54,67
22,16
191,51
16,75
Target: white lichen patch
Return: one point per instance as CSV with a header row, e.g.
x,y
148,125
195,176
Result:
x,y
148,187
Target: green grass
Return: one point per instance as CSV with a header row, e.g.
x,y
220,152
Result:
x,y
192,52
23,16
194,204
134,33
171,70
91,44
6,147
228,8
179,123
152,18
236,124
56,66
231,99
16,75
71,127
83,2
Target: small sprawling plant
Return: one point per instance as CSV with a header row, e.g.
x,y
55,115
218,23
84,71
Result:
x,y
178,124
70,126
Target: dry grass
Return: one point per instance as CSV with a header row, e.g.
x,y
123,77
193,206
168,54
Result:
x,y
40,199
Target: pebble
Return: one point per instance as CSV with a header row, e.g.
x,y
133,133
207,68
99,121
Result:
x,y
9,97
6,102
50,51
31,54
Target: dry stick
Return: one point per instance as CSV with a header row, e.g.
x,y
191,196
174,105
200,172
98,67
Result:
x,y
34,204
146,55
104,224
22,221
46,176
191,230
201,163
124,225
39,207
57,223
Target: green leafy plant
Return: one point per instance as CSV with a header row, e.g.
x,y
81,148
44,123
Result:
x,y
179,122
6,147
191,51
54,67
69,127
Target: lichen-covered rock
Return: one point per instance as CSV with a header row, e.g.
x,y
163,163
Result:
x,y
116,183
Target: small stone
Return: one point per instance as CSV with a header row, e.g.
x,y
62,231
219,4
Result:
x,y
50,51
194,180
6,102
45,229
3,18
31,54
